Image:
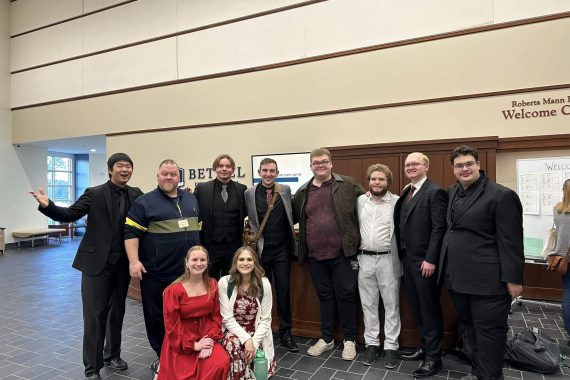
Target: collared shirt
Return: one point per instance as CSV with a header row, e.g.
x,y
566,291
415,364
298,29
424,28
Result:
x,y
322,233
375,219
277,231
117,244
418,185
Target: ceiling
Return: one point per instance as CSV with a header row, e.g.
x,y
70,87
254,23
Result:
x,y
77,145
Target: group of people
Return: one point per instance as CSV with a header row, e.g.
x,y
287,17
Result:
x,y
207,299
182,245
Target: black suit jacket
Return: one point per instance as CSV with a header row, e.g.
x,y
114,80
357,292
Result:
x,y
425,223
484,244
204,192
97,204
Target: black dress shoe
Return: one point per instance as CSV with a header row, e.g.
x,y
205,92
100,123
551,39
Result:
x,y
93,376
418,354
428,368
117,363
288,342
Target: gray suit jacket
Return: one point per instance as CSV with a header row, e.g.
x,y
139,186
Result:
x,y
396,262
254,222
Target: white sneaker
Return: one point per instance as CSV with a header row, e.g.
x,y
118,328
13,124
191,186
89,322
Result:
x,y
320,347
349,350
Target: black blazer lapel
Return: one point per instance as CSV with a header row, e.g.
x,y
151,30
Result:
x,y
451,194
415,199
471,200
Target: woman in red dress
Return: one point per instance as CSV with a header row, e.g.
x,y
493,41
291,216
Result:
x,y
245,304
193,322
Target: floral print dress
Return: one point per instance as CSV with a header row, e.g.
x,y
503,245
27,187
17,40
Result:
x,y
245,311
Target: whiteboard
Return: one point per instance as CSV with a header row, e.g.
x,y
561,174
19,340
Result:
x,y
294,168
539,186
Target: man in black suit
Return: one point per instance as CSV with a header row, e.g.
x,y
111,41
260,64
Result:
x,y
419,221
102,260
222,207
482,259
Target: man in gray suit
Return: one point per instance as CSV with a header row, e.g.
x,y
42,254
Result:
x,y
380,267
277,243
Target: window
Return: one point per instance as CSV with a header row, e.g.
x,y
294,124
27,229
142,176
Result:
x,y
60,179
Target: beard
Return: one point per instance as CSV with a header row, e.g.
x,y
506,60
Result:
x,y
168,187
378,193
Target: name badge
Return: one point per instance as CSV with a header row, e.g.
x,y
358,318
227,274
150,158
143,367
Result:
x,y
183,223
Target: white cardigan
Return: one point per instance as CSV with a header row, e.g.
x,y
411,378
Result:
x,y
263,334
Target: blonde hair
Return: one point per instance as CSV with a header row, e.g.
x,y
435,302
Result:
x,y
424,158
564,206
186,275
256,283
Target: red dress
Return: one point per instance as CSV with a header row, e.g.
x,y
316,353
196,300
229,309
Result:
x,y
187,320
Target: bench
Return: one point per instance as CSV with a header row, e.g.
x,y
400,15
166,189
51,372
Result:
x,y
40,233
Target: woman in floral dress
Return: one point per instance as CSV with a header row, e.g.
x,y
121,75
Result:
x,y
245,305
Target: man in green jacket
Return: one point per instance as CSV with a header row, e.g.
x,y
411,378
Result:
x,y
325,208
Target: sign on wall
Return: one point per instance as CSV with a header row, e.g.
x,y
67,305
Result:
x,y
539,186
294,168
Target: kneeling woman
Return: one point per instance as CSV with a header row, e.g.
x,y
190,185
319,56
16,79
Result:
x,y
192,324
245,303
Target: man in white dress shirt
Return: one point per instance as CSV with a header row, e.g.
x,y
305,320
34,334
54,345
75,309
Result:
x,y
380,266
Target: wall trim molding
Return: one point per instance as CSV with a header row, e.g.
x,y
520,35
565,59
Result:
x,y
73,18
272,66
166,36
526,143
500,144
349,110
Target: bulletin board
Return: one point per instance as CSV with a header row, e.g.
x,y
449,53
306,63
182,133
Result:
x,y
539,186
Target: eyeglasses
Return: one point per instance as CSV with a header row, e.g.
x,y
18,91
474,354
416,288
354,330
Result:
x,y
320,163
413,164
467,165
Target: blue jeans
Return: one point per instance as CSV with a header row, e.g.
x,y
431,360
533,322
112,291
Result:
x,y
566,301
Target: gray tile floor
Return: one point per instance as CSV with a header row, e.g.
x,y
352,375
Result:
x,y
41,329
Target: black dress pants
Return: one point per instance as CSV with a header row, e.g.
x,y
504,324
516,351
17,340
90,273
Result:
x,y
423,294
485,321
221,255
103,297
151,295
336,283
277,265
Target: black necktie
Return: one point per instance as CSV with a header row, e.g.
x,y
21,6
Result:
x,y
122,207
225,193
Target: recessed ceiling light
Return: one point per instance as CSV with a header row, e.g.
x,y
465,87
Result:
x,y
93,150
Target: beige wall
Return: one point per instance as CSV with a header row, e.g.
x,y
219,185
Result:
x,y
307,31
21,168
467,118
520,57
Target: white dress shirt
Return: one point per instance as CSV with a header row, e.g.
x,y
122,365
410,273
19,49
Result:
x,y
375,224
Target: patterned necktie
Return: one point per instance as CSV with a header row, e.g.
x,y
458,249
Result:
x,y
269,196
411,193
225,193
